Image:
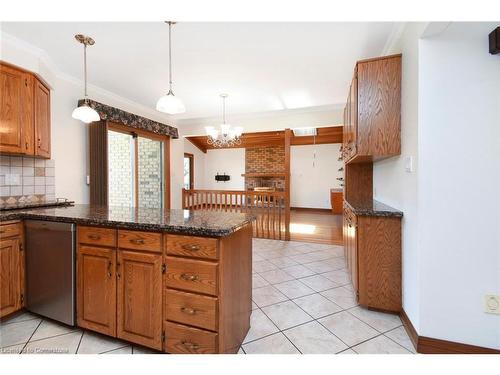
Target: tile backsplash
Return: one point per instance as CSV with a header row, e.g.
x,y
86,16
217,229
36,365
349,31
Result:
x,y
26,179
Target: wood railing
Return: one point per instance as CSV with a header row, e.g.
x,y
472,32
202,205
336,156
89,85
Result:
x,y
271,208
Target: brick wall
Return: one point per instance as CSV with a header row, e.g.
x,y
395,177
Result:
x,y
150,167
120,169
262,160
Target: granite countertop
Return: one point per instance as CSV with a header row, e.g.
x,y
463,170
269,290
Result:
x,y
189,222
374,208
28,204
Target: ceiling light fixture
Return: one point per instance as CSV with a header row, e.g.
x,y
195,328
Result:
x,y
226,136
169,103
84,113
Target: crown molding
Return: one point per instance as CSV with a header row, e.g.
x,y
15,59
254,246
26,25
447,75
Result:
x,y
44,59
393,38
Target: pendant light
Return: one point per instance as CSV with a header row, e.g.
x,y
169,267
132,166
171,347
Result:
x,y
169,103
84,113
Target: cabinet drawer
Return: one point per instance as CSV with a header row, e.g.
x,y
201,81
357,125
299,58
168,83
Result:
x,y
192,309
97,236
10,230
180,339
135,240
197,247
192,275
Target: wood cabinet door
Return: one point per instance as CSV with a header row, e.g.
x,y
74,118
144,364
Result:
x,y
139,309
14,110
10,276
96,289
42,120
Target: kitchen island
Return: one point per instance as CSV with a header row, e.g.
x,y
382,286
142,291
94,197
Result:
x,y
173,280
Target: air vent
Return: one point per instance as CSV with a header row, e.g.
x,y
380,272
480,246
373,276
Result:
x,y
301,132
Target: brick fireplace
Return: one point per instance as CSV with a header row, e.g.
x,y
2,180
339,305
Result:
x,y
265,167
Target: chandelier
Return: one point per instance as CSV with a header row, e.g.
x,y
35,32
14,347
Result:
x,y
227,136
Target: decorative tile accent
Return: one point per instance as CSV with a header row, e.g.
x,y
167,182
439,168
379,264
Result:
x,y
36,179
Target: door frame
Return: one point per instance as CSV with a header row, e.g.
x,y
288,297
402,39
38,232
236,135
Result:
x,y
191,169
165,139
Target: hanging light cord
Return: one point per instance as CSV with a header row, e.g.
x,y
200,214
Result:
x,y
85,70
224,110
170,55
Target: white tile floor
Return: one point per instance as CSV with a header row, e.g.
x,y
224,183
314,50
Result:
x,y
302,303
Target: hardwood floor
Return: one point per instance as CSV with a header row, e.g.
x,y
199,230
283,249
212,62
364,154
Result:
x,y
318,226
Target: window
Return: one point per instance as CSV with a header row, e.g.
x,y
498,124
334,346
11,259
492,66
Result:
x,y
188,171
136,168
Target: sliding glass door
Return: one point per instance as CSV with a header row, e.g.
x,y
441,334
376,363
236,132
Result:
x,y
136,169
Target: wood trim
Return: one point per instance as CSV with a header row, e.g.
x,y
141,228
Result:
x,y
329,134
311,209
98,163
191,169
288,136
166,171
428,345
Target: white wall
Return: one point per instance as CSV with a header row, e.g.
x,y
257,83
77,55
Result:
x,y
459,184
229,161
394,186
69,146
199,164
310,185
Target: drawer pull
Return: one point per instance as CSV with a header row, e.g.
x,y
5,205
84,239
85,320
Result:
x,y
190,345
188,277
139,241
191,247
110,264
94,237
188,310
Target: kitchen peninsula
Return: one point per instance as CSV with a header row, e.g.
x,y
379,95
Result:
x,y
173,280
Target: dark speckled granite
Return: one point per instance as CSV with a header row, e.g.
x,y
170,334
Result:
x,y
376,208
48,203
196,223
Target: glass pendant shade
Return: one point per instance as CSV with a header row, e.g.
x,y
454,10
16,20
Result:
x,y
170,104
85,114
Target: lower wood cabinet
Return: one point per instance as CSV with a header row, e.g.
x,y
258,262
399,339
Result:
x,y
11,269
96,289
179,294
139,305
372,246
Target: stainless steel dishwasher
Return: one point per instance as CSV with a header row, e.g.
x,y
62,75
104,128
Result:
x,y
50,269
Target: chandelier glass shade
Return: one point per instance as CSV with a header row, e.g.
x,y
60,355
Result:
x,y
226,135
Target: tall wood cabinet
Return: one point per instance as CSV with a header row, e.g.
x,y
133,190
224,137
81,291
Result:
x,y
372,231
24,113
11,268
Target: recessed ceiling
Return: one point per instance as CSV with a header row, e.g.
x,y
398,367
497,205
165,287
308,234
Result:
x,y
263,66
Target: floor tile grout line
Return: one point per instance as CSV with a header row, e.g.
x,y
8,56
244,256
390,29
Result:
x,y
79,342
121,347
27,342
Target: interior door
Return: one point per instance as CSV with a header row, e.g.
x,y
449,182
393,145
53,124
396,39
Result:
x,y
139,310
10,277
96,289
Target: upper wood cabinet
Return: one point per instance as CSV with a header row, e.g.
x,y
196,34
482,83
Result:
x,y
24,113
372,116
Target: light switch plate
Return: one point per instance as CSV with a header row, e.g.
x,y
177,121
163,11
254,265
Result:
x,y
492,304
409,164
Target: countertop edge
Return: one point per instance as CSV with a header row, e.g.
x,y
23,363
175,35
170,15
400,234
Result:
x,y
127,225
384,211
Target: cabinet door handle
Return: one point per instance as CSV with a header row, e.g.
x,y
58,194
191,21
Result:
x,y
188,277
138,241
188,310
26,145
110,264
190,345
191,247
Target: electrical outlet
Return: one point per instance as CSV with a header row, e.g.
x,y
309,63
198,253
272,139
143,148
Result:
x,y
492,304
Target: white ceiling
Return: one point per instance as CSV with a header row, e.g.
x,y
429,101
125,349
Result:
x,y
262,66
